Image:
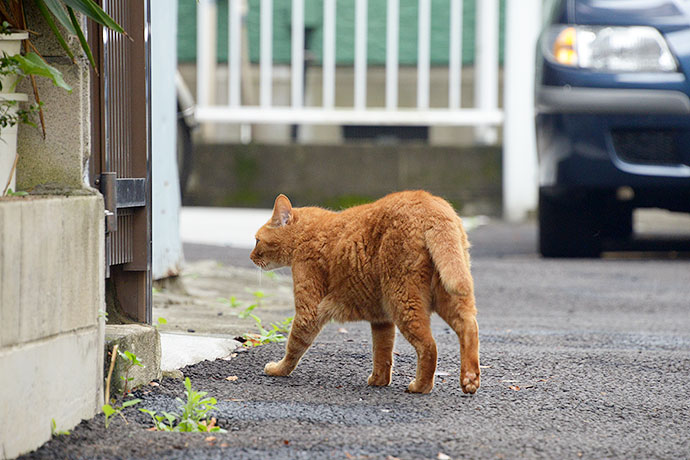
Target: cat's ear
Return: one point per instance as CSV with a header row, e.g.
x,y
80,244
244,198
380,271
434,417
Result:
x,y
282,211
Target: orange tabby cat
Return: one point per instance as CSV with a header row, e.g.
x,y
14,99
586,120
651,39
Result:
x,y
392,263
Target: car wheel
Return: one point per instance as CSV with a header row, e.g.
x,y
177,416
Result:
x,y
568,225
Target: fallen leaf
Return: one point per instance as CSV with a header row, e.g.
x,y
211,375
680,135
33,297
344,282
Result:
x,y
286,442
342,330
225,444
347,454
210,438
232,378
153,428
154,384
514,387
442,456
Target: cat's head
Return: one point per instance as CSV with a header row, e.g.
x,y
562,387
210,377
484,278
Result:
x,y
272,248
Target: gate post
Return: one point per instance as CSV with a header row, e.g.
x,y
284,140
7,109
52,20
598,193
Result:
x,y
520,180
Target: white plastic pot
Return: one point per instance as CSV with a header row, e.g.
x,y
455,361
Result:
x,y
8,144
10,45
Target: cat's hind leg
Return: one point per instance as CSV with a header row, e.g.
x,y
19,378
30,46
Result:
x,y
383,340
460,314
411,311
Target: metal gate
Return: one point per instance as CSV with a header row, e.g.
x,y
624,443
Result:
x,y
120,163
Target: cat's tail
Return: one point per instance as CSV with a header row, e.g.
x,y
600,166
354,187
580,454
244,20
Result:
x,y
447,243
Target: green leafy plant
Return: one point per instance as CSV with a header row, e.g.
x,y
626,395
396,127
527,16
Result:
x,y
10,192
55,432
276,333
160,322
193,416
132,360
112,409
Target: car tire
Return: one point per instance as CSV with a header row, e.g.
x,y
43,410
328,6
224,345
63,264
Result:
x,y
568,225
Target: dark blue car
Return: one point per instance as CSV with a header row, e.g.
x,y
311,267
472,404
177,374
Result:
x,y
612,118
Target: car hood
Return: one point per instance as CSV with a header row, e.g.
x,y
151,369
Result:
x,y
665,15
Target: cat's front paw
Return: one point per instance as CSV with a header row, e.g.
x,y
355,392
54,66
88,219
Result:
x,y
419,387
275,369
469,381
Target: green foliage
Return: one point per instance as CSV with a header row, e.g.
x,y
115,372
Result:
x,y
63,11
10,115
109,410
194,413
274,334
132,360
33,64
55,432
10,192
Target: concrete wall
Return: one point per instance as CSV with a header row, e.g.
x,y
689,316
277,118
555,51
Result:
x,y
51,336
337,176
61,158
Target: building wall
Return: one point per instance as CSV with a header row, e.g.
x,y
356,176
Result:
x,y
345,12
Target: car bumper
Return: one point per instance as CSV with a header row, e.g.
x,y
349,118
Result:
x,y
608,138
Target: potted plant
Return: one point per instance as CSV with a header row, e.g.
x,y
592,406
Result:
x,y
16,65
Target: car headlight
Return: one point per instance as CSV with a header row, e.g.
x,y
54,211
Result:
x,y
609,48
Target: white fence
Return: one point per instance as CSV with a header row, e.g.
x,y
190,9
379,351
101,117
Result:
x,y
486,111
522,18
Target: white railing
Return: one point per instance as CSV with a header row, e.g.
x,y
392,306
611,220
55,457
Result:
x,y
522,27
485,114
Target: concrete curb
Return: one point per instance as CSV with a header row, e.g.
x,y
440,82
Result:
x,y
145,343
180,350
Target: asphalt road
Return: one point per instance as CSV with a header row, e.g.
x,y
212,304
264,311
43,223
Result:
x,y
580,359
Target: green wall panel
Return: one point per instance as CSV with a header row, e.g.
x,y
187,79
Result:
x,y
345,13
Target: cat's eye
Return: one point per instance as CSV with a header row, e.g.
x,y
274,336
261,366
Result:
x,y
257,241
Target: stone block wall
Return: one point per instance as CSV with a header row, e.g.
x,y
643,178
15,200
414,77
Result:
x,y
51,333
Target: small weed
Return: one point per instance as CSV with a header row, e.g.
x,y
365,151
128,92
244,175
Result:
x,y
103,314
132,360
194,413
232,302
54,431
276,333
10,192
110,409
160,322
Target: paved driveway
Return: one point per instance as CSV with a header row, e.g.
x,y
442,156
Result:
x,y
580,359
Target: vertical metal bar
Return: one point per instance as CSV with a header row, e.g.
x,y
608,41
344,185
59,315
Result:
x,y
328,73
206,42
392,36
266,58
486,66
361,7
234,52
297,81
455,56
423,51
